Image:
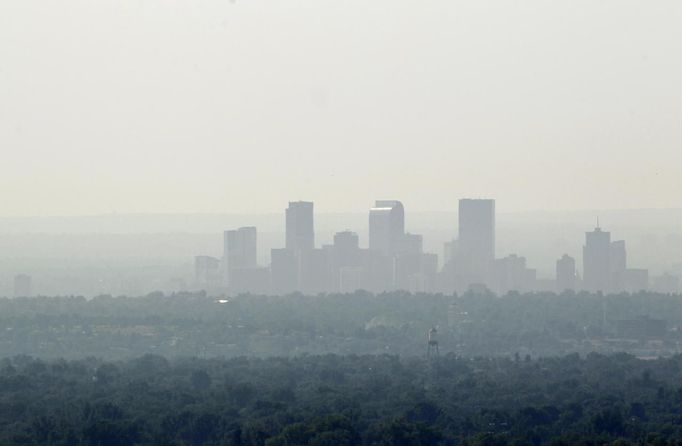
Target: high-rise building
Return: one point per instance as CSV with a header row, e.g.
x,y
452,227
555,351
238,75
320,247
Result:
x,y
240,248
23,285
476,243
300,227
386,232
386,226
565,274
597,261
241,263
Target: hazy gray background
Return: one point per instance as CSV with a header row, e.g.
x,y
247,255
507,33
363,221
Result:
x,y
239,106
144,128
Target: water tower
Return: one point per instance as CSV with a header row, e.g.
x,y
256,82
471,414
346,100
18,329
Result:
x,y
432,348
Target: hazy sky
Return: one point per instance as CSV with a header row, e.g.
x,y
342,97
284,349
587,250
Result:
x,y
240,106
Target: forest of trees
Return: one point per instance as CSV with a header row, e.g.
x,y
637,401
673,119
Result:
x,y
360,323
351,369
342,400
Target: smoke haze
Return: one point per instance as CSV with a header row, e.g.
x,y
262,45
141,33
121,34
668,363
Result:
x,y
240,106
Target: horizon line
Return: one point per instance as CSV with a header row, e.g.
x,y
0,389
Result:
x,y
324,212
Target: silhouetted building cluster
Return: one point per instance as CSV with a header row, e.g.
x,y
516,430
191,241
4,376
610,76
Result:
x,y
605,266
395,260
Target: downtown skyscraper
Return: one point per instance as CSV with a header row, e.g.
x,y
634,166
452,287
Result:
x,y
475,248
597,261
240,248
386,226
300,226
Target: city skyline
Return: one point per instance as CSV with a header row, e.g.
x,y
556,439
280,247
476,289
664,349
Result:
x,y
137,254
395,259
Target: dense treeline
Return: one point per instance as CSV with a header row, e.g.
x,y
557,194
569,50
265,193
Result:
x,y
360,323
334,400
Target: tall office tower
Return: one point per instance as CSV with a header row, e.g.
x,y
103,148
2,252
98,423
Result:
x,y
386,226
300,228
240,248
476,244
565,273
241,263
22,285
597,261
